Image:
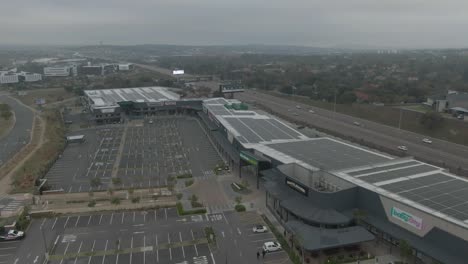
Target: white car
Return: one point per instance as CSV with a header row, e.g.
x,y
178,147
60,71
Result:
x,y
296,114
357,124
259,229
404,148
13,235
298,106
311,111
426,140
271,246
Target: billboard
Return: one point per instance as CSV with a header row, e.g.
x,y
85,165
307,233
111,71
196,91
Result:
x,y
298,187
407,218
39,101
178,72
248,158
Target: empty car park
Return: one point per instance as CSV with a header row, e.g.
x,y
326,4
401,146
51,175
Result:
x,y
139,155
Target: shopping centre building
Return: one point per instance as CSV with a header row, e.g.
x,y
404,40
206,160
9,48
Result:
x,y
330,194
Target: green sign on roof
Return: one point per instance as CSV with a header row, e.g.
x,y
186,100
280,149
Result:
x,y
248,158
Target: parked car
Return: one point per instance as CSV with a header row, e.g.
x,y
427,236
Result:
x,y
426,140
404,148
271,246
13,235
296,114
356,123
298,106
259,229
311,111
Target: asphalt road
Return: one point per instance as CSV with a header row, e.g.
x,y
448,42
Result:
x,y
439,151
20,133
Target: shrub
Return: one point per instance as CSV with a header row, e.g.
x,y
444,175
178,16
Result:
x,y
188,183
179,196
116,181
95,182
181,211
184,176
115,200
135,199
91,203
210,235
23,220
240,208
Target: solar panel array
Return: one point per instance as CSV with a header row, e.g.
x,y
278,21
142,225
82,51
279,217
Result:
x,y
328,154
143,94
254,130
431,188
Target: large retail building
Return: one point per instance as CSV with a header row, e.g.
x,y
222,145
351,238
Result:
x,y
330,194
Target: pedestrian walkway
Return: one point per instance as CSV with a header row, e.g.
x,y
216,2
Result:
x,y
218,208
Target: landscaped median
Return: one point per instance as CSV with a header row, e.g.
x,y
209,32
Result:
x,y
182,211
128,250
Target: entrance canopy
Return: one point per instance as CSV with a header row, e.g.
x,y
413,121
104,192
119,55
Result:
x,y
314,238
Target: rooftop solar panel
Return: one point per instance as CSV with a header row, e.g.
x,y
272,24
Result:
x,y
394,174
382,168
328,154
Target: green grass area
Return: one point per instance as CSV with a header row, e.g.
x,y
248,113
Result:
x,y
451,130
42,160
240,208
418,108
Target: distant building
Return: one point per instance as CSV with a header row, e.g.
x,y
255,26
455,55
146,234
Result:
x,y
101,69
30,77
453,101
125,67
63,71
9,78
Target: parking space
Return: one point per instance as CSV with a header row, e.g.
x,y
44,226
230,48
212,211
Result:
x,y
140,155
8,251
176,243
113,219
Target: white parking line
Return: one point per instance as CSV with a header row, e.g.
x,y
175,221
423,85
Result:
x,y
156,246
112,216
169,242
54,222
131,252
78,219
89,220
105,249
144,252
100,219
7,248
165,211
65,252
42,224
155,215
92,250
79,249
123,214
66,222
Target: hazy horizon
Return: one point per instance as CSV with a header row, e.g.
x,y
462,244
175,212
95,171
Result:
x,y
330,24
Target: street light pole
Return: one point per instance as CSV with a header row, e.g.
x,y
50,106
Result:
x,y
399,121
334,104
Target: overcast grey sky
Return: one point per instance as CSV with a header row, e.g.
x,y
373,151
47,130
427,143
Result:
x,y
325,23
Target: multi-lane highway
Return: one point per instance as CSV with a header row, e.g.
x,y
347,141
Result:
x,y
439,152
20,134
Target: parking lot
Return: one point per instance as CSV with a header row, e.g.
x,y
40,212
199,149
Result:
x,y
151,236
141,155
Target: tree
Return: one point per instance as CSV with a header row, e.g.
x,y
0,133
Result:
x,y
238,199
431,120
405,249
347,98
95,182
287,89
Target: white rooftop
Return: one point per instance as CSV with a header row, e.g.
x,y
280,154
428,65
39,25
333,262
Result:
x,y
111,97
